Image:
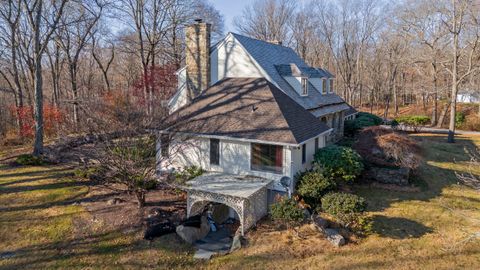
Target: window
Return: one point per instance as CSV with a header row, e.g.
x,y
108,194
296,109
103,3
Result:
x,y
324,120
316,144
304,86
164,144
331,85
339,123
324,86
214,152
266,157
304,153
333,121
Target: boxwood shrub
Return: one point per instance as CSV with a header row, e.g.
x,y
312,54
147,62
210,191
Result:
x,y
346,208
415,122
286,210
339,163
312,186
362,120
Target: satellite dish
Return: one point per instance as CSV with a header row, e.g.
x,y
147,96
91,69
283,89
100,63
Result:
x,y
286,181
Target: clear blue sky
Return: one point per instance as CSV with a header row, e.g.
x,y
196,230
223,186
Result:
x,y
230,9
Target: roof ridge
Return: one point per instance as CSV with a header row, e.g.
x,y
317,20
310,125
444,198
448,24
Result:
x,y
260,40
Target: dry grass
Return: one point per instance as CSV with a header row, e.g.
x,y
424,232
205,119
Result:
x,y
413,230
41,227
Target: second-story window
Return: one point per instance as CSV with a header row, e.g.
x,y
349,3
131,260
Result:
x,y
331,85
324,86
304,86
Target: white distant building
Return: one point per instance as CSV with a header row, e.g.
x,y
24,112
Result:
x,y
468,97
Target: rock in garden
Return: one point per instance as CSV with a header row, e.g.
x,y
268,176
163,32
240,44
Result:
x,y
319,222
397,176
158,230
191,234
236,243
334,237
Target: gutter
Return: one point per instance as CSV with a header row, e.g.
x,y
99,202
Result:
x,y
245,140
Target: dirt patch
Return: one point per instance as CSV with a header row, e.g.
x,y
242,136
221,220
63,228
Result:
x,y
109,209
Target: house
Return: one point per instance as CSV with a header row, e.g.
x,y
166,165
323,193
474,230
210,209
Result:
x,y
251,113
468,96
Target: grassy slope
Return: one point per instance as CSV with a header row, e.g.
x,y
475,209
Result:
x,y
39,224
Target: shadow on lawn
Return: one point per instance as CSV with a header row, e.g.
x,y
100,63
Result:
x,y
28,173
398,228
77,252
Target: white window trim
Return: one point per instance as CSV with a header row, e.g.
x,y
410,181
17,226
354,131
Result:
x,y
324,89
303,87
330,90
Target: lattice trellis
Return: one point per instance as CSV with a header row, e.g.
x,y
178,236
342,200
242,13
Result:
x,y
249,210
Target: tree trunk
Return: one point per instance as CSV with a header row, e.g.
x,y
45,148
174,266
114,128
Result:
x,y
73,84
453,97
38,84
140,198
435,96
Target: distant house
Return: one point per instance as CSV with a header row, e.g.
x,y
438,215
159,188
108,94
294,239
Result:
x,y
252,114
468,97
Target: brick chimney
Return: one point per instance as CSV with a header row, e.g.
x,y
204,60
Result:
x,y
197,58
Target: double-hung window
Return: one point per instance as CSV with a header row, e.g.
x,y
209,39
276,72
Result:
x,y
266,157
324,86
304,86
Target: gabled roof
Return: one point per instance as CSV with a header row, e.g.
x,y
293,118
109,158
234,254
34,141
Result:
x,y
268,55
247,108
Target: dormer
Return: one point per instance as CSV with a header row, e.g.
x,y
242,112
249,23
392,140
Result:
x,y
305,79
296,77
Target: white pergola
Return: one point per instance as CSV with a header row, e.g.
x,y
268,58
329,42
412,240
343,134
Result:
x,y
246,194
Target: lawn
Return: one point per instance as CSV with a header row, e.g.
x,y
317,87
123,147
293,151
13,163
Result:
x,y
41,226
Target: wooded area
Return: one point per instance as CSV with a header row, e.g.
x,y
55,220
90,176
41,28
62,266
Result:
x,y
62,63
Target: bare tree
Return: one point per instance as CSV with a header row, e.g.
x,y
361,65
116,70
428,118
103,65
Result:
x,y
463,27
43,19
267,20
10,16
99,56
421,21
73,36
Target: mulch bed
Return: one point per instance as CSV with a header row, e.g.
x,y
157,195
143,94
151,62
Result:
x,y
113,210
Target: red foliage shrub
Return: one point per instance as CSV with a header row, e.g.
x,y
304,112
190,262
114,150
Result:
x,y
53,117
160,81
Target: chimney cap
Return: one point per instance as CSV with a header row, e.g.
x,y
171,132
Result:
x,y
198,20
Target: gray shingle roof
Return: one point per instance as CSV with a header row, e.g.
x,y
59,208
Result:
x,y
248,108
294,70
350,111
268,55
